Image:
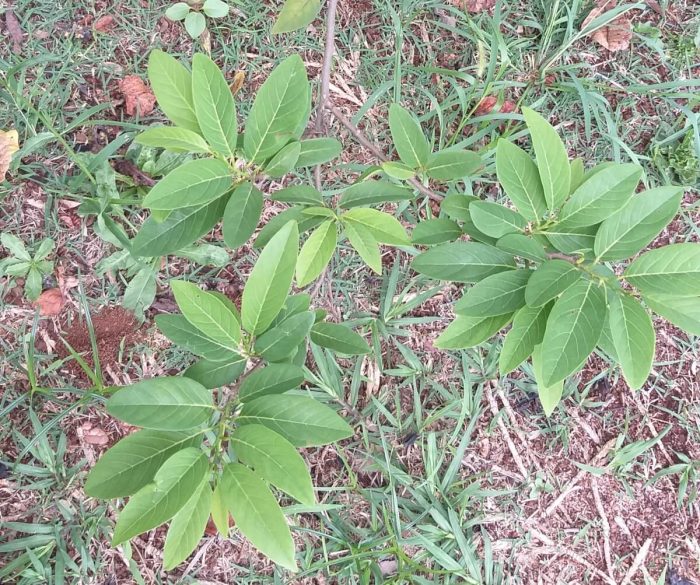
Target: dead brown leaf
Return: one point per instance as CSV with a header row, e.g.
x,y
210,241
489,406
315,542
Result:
x,y
615,36
14,30
486,105
50,302
237,83
93,435
105,24
475,6
9,144
138,98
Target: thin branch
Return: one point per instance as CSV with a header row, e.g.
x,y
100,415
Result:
x,y
326,69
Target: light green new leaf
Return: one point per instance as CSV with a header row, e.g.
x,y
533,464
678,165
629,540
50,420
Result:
x,y
408,137
279,112
167,404
303,194
219,510
550,280
462,262
365,244
181,332
528,328
573,329
684,312
466,332
518,175
132,462
257,514
628,231
208,313
141,291
303,421
33,284
672,269
272,379
214,105
296,14
177,11
242,214
275,460
385,228
550,395
316,253
495,220
217,374
174,139
195,24
15,246
398,170
578,172
279,343
187,527
451,165
552,159
215,8
172,85
521,245
372,192
269,283
284,161
495,295
436,231
316,151
195,183
339,338
633,336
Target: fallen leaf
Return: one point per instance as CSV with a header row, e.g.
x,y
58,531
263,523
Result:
x,y
14,30
475,6
486,105
614,36
139,99
9,144
105,24
93,435
237,83
50,302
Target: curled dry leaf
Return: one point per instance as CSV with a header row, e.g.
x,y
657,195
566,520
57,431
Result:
x,y
14,30
237,83
50,302
9,144
138,98
614,36
93,435
105,24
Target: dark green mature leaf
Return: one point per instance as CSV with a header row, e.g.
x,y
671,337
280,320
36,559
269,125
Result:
x,y
365,244
132,462
279,112
293,305
275,224
549,395
633,336
187,527
408,137
385,228
275,460
242,214
631,229
257,514
296,14
600,196
518,175
193,184
167,404
316,151
398,170
273,379
550,280
372,192
216,374
521,245
436,231
303,194
573,329
181,332
174,139
284,161
451,165
528,328
571,240
316,253
578,172
279,343
339,338
172,85
141,291
456,206
466,332
684,312
214,105
495,295
672,269
159,501
462,262
219,510
303,421
552,159
495,220
269,283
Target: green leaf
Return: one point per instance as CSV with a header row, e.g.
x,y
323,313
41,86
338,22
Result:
x,y
408,137
208,313
495,220
172,85
279,342
174,139
466,332
141,291
214,105
284,161
293,305
578,172
528,328
436,231
193,184
550,280
303,194
684,312
552,159
12,267
195,24
456,206
242,214
631,229
316,151
205,254
132,462
167,404
451,165
217,374
279,111
462,262
672,269
549,395
269,283
303,421
385,228
339,338
181,332
33,284
573,329
177,11
159,501
187,527
571,240
521,245
273,379
15,246
215,8
296,14
398,170
275,460
600,196
257,514
275,224
316,253
365,244
219,510
372,192
633,336
495,295
518,175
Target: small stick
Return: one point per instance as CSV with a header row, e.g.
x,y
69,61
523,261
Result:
x,y
638,561
326,69
606,527
504,431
